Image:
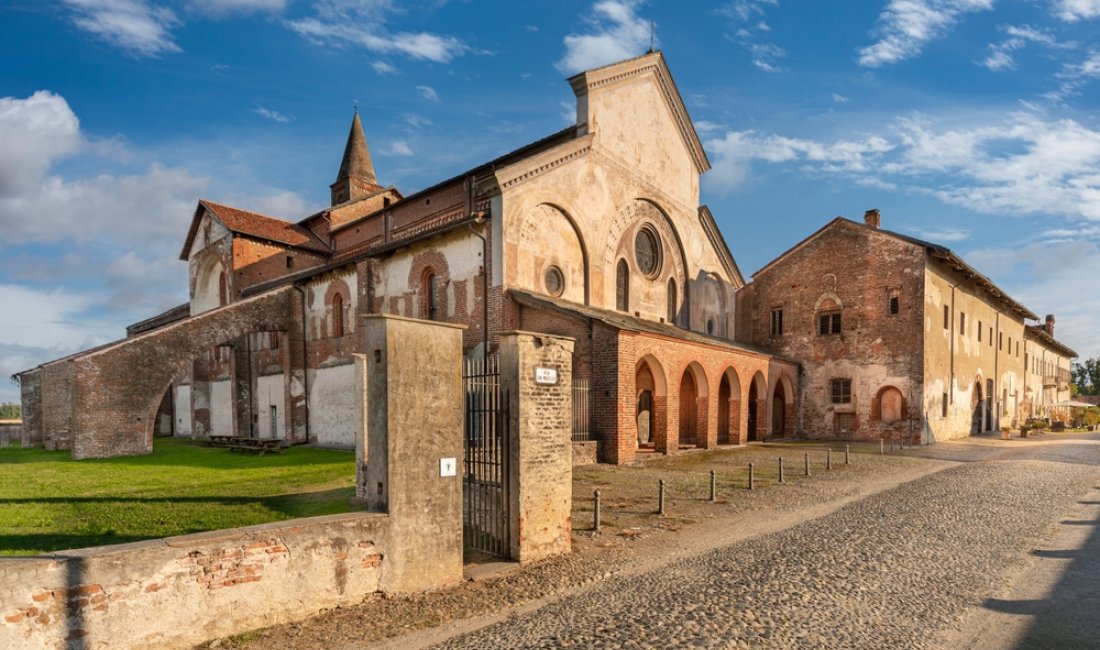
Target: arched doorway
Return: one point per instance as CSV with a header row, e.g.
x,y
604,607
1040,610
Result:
x,y
724,411
978,406
989,414
757,407
729,408
689,395
644,384
779,410
753,399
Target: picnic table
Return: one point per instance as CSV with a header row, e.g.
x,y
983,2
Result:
x,y
240,443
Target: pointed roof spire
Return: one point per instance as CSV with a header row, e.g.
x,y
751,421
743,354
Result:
x,y
356,177
357,162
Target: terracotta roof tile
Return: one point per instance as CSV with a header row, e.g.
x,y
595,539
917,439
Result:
x,y
265,227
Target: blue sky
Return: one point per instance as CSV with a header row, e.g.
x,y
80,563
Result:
x,y
972,123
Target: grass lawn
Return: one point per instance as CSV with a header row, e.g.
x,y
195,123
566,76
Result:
x,y
49,502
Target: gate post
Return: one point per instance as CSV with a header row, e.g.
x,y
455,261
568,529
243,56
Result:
x,y
537,372
411,438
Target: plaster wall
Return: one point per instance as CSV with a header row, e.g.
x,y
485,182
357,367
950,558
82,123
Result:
x,y
270,394
221,408
332,406
182,399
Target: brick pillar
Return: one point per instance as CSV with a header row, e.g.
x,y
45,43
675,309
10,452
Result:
x,y
243,374
411,421
735,422
660,423
763,418
706,427
541,454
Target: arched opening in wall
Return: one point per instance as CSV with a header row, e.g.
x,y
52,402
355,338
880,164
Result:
x,y
337,316
729,408
643,382
689,396
891,405
757,407
977,405
622,286
651,394
223,289
431,296
673,308
779,411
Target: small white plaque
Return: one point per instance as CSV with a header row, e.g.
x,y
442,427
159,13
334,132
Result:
x,y
546,376
447,467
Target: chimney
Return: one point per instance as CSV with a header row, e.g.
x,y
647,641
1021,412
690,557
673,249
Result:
x,y
1049,326
871,218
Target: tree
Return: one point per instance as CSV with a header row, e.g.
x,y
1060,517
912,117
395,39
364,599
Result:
x,y
10,411
1087,376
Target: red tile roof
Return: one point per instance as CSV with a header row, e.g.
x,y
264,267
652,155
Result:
x,y
265,227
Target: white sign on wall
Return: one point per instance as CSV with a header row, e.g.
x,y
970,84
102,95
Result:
x,y
548,376
447,466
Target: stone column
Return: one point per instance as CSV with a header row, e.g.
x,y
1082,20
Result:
x,y
540,451
411,438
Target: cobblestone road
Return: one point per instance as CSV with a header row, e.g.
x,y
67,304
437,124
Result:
x,y
895,570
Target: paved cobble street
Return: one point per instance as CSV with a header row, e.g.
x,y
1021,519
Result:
x,y
909,551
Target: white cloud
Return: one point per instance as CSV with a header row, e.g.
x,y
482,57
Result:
x,y
1074,76
748,14
617,33
840,99
222,8
1074,10
1000,54
1021,165
382,67
944,235
132,25
274,116
416,121
362,23
45,318
34,132
906,26
398,148
428,93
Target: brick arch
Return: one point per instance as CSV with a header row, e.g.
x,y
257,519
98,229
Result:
x,y
337,287
117,390
729,407
782,384
425,263
876,404
757,406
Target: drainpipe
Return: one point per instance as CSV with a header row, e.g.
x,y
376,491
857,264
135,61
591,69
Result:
x,y
993,400
479,219
951,332
305,355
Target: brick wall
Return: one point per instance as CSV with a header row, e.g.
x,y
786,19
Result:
x,y
118,395
30,392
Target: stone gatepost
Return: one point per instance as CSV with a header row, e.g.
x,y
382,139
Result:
x,y
537,370
410,446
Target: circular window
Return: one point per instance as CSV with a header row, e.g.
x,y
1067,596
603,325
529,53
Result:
x,y
647,251
555,281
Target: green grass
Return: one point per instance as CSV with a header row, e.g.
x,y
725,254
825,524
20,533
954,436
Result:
x,y
49,502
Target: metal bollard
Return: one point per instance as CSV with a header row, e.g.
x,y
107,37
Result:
x,y
881,445
847,452
806,463
828,459
713,492
661,497
752,478
781,470
596,512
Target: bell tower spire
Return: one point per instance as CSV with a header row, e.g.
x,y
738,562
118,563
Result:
x,y
356,176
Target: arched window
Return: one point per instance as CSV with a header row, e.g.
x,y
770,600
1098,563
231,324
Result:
x,y
431,309
223,289
337,315
672,311
622,286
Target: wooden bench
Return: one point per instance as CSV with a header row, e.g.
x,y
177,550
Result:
x,y
238,443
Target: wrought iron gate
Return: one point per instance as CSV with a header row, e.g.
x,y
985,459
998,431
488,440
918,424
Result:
x,y
485,459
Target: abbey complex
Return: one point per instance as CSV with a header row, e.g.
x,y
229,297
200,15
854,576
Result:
x,y
595,233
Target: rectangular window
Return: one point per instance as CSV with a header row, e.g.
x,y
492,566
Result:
x,y
1017,349
828,323
289,262
777,322
1026,368
943,406
946,317
990,337
841,390
1004,402
845,422
962,323
1000,340
895,305
979,331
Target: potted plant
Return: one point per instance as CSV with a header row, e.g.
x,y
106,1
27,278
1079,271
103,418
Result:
x,y
1005,431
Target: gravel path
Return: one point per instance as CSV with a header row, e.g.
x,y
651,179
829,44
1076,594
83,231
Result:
x,y
897,569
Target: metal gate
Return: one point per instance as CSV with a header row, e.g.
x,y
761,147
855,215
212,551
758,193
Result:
x,y
485,459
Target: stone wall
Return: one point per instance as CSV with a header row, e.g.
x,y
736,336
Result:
x,y
11,431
